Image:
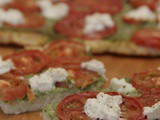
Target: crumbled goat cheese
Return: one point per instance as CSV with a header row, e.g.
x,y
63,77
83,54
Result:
x,y
46,81
95,66
121,86
152,113
142,13
53,11
104,107
6,65
97,22
11,16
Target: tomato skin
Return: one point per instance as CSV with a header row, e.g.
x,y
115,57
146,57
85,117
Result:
x,y
71,107
92,6
28,62
148,37
149,98
144,81
17,89
32,21
76,25
152,4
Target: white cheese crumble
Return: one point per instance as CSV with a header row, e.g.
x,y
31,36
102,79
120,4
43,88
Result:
x,y
104,107
6,66
53,11
152,113
97,22
46,81
142,13
121,86
95,66
4,2
11,16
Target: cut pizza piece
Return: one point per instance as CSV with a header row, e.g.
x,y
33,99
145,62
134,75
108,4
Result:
x,y
94,105
109,33
50,82
49,87
22,38
90,27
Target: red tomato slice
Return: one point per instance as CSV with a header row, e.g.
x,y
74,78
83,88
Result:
x,y
149,98
152,4
147,37
72,107
16,89
65,48
148,79
31,21
27,6
72,27
92,6
82,77
28,62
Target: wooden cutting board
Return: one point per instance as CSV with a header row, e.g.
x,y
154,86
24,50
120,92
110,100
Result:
x,y
116,67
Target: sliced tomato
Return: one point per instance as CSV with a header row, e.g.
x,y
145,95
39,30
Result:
x,y
72,27
31,21
152,4
65,48
147,38
149,98
82,77
72,107
27,6
92,6
28,62
13,89
148,79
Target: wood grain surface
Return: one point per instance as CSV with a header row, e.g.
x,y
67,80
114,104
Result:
x,y
116,67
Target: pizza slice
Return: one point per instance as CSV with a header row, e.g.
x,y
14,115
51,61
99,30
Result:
x,y
31,79
142,102
123,30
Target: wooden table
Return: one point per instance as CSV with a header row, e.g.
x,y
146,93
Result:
x,y
116,67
